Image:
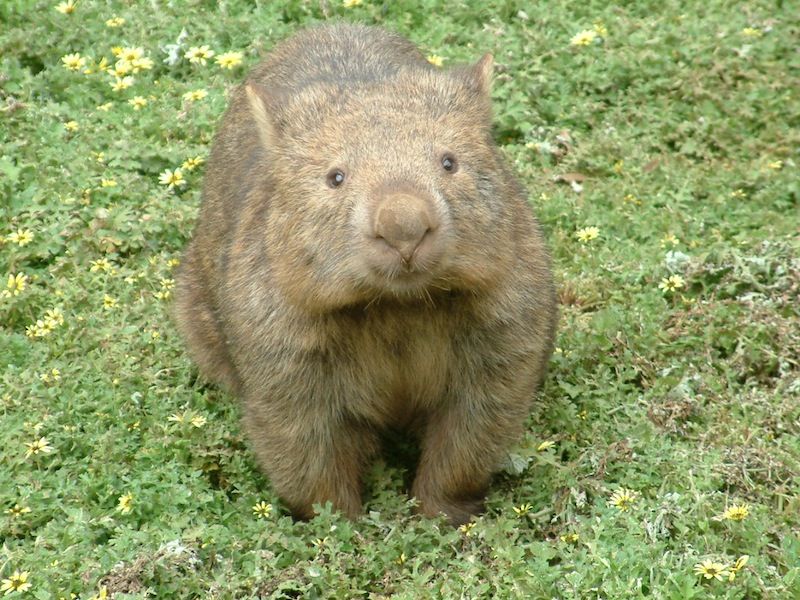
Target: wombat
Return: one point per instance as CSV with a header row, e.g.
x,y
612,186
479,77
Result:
x,y
364,260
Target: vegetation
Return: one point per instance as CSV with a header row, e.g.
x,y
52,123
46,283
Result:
x,y
659,141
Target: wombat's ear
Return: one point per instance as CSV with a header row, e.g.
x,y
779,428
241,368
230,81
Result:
x,y
257,97
481,74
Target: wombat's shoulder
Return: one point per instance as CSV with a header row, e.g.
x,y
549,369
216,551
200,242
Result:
x,y
336,54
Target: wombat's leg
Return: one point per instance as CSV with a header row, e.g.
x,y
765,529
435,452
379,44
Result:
x,y
461,447
313,460
200,327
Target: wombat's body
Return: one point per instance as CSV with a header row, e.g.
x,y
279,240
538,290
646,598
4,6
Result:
x,y
364,259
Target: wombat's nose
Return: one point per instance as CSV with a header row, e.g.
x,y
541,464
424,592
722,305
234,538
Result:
x,y
402,220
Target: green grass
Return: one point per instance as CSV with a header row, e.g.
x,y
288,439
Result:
x,y
683,122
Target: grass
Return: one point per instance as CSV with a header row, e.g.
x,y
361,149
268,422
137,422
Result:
x,y
667,437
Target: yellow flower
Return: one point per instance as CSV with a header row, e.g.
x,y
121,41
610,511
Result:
x,y
125,504
121,68
21,237
130,54
522,509
37,446
467,528
105,107
668,239
73,62
18,582
623,499
775,165
401,560
618,167
740,193
17,511
737,566
173,262
570,538
137,102
587,234
752,32
351,3
54,375
39,329
121,83
190,164
115,22
109,302
142,64
436,60
106,183
737,512
671,283
116,50
195,95
199,54
15,285
54,317
198,421
66,8
177,417
101,595
101,264
584,38
631,199
711,570
228,60
262,509
545,445
600,29
172,179
71,126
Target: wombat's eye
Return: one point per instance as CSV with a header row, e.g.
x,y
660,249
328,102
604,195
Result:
x,y
449,163
335,178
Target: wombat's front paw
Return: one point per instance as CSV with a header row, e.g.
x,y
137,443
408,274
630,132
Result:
x,y
458,511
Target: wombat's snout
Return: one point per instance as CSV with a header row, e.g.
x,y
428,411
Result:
x,y
403,221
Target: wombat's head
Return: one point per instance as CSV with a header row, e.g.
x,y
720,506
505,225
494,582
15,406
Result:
x,y
384,189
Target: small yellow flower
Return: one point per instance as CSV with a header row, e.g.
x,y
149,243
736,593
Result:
x,y
109,302
137,102
570,538
18,582
15,285
587,234
262,509
107,183
17,511
522,509
141,64
101,595
101,264
623,499
752,32
198,421
584,38
737,512
173,262
105,107
401,560
21,237
177,417
199,54
195,95
600,29
121,83
711,570
38,446
39,329
775,165
73,62
53,376
115,22
190,164
229,60
99,157
738,566
172,179
436,60
66,8
669,239
740,193
618,167
545,445
125,504
71,126
130,54
121,68
467,528
54,318
631,199
351,3
671,283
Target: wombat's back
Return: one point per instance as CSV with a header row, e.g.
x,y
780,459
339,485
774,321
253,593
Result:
x,y
339,55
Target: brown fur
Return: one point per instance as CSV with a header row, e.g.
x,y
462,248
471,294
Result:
x,y
408,296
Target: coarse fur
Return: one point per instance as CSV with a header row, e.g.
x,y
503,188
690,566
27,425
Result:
x,y
408,296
